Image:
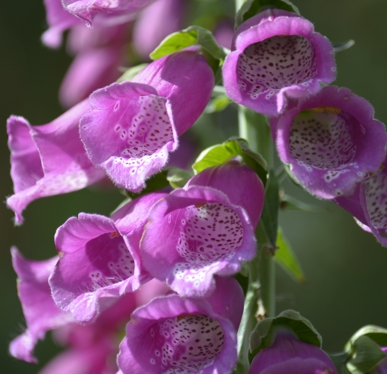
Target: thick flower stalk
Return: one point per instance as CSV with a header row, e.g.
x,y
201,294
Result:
x,y
331,141
288,355
100,259
184,335
87,10
368,203
133,126
203,229
276,55
48,160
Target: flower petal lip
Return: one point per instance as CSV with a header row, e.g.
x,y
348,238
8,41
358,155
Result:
x,y
279,24
164,242
87,10
355,143
47,160
140,352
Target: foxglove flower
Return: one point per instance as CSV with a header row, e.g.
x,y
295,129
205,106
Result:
x,y
203,229
39,309
331,141
100,259
288,355
98,54
182,335
276,55
47,160
132,126
368,203
87,10
154,23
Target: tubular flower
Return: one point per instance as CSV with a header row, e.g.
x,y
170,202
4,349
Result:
x,y
132,126
183,335
288,355
331,141
368,203
100,259
203,229
48,160
87,10
276,55
39,309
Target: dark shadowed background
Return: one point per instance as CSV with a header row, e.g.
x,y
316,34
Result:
x,y
345,267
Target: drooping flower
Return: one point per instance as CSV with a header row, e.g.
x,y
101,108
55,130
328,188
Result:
x,y
132,126
288,355
87,10
100,259
39,309
276,55
91,348
203,229
48,160
98,54
154,23
184,335
368,203
331,141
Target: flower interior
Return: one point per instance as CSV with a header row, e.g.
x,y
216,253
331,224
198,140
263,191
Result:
x,y
145,133
185,344
208,233
274,63
324,138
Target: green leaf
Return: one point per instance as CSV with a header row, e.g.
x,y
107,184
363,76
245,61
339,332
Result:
x,y
177,178
252,7
339,47
269,217
218,104
291,203
286,258
365,355
264,333
376,333
131,72
221,153
193,35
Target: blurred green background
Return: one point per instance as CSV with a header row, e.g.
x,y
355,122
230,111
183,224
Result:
x,y
345,267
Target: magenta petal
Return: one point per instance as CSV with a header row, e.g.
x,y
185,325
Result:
x,y
186,80
58,21
288,355
47,160
89,9
331,141
129,132
193,234
39,309
275,55
182,334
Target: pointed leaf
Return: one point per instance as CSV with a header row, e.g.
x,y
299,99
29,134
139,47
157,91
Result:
x,y
131,72
339,47
218,104
193,35
291,203
252,7
177,178
262,335
286,258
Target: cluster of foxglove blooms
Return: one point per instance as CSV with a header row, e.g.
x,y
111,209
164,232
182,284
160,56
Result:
x,y
163,262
